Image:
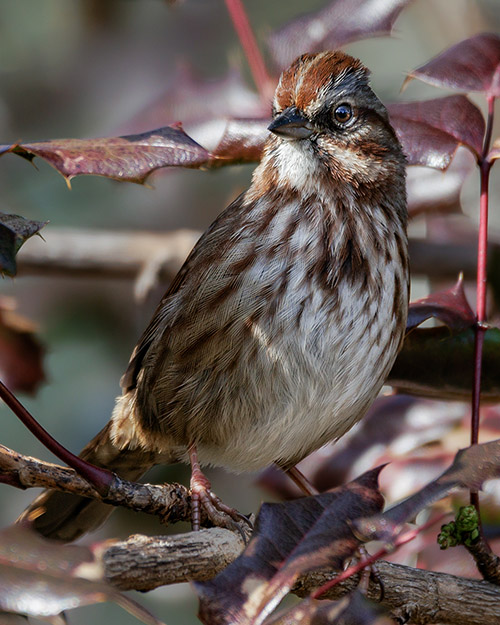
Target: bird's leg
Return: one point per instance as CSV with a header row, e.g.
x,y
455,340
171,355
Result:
x,y
301,481
203,497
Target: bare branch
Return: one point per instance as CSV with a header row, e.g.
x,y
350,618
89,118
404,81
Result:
x,y
146,257
144,563
413,595
149,256
170,502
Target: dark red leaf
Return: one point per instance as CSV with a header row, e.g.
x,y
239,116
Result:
x,y
21,353
438,363
431,131
471,468
131,158
450,306
471,65
41,577
289,539
14,231
340,22
242,142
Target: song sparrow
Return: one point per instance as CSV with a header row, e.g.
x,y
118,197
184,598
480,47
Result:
x,y
280,328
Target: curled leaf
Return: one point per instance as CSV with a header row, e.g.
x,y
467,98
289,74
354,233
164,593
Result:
x,y
290,539
242,142
471,65
338,23
430,131
470,469
449,306
438,363
42,578
14,231
21,353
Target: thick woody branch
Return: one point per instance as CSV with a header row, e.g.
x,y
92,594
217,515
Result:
x,y
170,502
144,563
150,256
412,595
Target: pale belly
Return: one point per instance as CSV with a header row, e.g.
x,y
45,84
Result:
x,y
307,387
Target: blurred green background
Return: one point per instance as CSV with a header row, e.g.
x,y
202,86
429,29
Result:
x,y
83,68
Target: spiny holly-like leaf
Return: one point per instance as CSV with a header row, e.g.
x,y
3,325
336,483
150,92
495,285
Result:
x,y
131,158
438,363
289,539
21,353
354,609
41,578
430,131
471,468
14,231
340,22
471,65
449,306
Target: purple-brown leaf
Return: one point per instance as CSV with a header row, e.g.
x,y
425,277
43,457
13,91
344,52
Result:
x,y
449,306
14,231
471,65
242,142
289,539
21,353
340,22
430,131
131,158
41,577
471,468
439,363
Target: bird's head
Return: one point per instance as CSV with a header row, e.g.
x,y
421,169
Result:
x,y
326,116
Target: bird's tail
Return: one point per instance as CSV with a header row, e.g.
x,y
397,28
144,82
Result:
x,y
65,516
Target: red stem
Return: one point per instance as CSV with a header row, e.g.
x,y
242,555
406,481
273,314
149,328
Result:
x,y
100,478
362,564
247,39
482,265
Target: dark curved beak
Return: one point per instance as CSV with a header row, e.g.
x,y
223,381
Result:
x,y
291,124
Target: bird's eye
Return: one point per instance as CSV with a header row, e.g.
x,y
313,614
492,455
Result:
x,y
343,113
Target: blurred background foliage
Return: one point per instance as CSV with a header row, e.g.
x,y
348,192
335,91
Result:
x,y
85,68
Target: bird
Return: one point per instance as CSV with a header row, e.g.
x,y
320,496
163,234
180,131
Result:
x,y
282,325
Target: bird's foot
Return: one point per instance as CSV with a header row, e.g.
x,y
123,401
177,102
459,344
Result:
x,y
202,497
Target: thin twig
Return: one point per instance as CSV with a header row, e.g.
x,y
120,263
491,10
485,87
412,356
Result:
x,y
248,42
100,478
482,262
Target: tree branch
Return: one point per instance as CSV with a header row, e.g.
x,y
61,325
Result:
x,y
412,595
150,257
143,563
170,502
